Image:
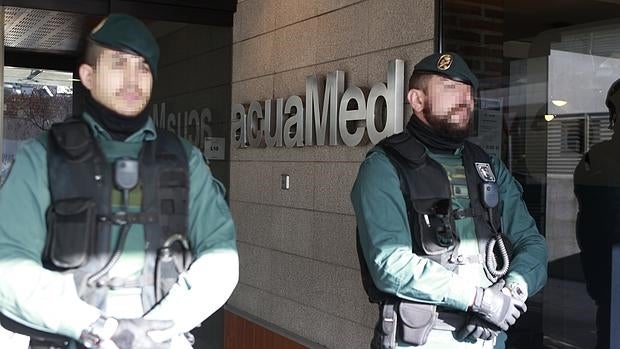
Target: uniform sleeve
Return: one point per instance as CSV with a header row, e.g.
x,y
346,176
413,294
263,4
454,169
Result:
x,y
386,242
30,294
213,275
528,266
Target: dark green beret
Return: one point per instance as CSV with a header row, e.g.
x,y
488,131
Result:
x,y
449,65
125,33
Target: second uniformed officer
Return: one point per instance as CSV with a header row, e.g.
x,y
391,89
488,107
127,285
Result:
x,y
114,234
447,247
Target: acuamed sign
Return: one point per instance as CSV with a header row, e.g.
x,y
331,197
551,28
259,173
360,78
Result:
x,y
333,117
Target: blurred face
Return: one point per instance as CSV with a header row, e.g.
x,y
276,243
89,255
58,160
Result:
x,y
446,106
120,81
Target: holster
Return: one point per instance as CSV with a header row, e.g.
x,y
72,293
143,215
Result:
x,y
416,322
385,330
409,322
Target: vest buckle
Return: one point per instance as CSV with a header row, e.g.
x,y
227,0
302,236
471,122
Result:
x,y
120,218
462,260
459,214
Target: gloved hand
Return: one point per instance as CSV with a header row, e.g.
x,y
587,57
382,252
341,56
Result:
x,y
496,307
476,328
134,333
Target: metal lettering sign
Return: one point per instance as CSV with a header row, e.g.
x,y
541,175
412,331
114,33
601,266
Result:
x,y
332,117
190,124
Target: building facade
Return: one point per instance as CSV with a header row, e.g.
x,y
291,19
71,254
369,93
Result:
x,y
286,97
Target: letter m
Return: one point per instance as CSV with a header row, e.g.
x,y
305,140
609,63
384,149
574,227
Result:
x,y
159,118
317,124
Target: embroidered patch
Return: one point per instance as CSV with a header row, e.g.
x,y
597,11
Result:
x,y
485,172
444,62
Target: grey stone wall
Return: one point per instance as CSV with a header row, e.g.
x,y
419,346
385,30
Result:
x,y
194,76
299,268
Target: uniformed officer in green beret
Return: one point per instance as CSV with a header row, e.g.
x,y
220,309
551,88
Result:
x,y
113,234
447,247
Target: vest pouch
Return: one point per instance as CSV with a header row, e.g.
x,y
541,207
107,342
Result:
x,y
71,225
436,226
416,321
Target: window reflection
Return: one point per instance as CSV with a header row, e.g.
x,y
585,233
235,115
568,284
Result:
x,y
548,66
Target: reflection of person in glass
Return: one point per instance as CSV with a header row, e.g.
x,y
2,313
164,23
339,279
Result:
x,y
597,188
113,234
435,214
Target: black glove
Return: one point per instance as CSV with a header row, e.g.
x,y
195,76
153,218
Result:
x,y
133,333
476,328
496,307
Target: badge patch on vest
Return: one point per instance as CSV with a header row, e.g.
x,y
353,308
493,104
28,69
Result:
x,y
485,172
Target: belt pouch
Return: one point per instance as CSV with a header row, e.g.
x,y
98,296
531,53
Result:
x,y
416,322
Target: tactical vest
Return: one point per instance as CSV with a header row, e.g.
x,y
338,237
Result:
x,y
427,193
80,217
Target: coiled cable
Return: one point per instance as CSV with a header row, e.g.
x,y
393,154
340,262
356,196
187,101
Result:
x,y
492,259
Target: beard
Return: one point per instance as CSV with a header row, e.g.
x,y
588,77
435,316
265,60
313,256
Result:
x,y
440,123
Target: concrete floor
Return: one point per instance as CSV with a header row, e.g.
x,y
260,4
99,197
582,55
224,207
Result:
x,y
568,315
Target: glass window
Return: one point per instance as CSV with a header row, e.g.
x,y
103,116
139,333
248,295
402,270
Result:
x,y
34,99
548,65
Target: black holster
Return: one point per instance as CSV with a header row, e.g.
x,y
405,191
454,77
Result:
x,y
403,321
385,330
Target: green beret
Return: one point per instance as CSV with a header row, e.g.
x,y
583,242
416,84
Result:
x,y
125,33
450,65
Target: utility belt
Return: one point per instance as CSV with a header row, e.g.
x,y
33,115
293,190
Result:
x,y
412,322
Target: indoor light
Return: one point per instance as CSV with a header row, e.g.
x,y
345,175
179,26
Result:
x,y
559,102
549,117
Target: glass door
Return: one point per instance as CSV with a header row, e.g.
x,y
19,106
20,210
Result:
x,y
545,71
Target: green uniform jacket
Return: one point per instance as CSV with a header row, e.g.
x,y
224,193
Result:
x,y
386,240
47,300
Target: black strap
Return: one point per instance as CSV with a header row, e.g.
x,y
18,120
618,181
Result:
x,y
73,138
470,212
473,154
122,218
169,199
36,336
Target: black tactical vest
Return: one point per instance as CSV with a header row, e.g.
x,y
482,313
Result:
x,y
427,193
80,217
